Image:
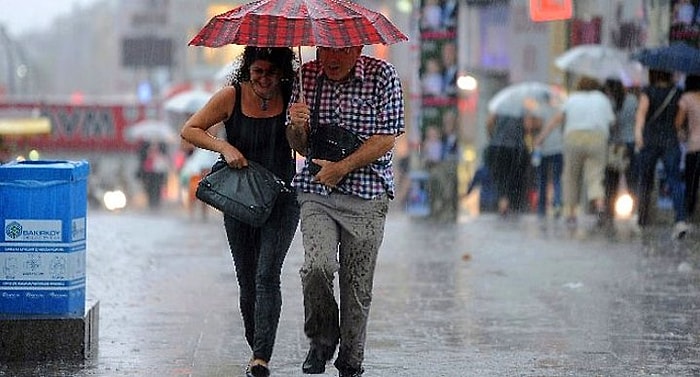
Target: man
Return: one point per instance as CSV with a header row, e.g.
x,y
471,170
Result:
x,y
344,206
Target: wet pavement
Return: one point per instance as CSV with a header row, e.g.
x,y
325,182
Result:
x,y
482,297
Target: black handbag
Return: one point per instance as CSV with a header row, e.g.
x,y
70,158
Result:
x,y
247,194
332,143
328,142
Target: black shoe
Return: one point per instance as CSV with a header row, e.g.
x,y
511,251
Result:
x,y
350,372
315,362
259,370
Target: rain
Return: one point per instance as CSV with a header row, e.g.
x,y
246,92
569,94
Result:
x,y
487,267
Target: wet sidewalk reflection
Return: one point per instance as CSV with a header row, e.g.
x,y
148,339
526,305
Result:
x,y
483,297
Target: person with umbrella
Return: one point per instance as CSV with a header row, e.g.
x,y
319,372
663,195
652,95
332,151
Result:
x,y
549,167
656,138
344,205
508,158
586,117
253,111
621,169
363,97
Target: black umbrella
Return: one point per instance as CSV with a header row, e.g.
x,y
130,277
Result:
x,y
680,57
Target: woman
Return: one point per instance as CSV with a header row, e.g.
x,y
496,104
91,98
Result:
x,y
586,117
622,138
656,137
549,167
688,122
253,110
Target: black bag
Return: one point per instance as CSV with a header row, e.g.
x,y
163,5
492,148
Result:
x,y
246,194
328,142
332,143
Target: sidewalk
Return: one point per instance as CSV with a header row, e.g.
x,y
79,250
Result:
x,y
483,297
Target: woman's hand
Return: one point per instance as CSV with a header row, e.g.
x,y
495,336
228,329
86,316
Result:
x,y
234,158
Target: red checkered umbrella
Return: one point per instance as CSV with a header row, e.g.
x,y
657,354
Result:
x,y
283,23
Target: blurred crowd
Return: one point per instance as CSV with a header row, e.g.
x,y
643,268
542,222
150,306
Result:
x,y
582,153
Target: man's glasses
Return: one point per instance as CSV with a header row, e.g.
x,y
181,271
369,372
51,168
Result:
x,y
332,50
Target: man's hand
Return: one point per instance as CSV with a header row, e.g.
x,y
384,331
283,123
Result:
x,y
298,130
331,172
299,114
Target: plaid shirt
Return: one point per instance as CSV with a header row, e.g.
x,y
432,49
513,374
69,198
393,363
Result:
x,y
369,103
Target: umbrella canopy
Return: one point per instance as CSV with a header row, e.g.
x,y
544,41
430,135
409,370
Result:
x,y
600,62
679,57
151,130
188,102
513,100
286,23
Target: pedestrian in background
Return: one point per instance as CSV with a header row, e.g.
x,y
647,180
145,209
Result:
x,y
342,223
586,116
688,123
253,109
621,141
153,170
508,158
656,138
548,169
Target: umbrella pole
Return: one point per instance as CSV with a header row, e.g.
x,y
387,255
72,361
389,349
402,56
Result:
x,y
301,82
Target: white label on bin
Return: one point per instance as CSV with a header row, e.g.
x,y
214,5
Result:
x,y
41,269
32,230
77,229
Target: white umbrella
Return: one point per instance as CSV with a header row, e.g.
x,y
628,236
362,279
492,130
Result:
x,y
513,99
601,62
151,130
199,159
188,102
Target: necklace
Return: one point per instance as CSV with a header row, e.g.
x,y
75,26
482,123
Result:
x,y
264,101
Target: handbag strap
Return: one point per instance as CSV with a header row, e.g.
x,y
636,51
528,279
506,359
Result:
x,y
317,101
663,106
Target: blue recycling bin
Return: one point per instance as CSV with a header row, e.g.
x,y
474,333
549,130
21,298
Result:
x,y
43,209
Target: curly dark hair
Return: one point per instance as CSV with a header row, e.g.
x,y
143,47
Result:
x,y
280,57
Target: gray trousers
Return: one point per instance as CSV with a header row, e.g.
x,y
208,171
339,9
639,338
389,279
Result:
x,y
341,233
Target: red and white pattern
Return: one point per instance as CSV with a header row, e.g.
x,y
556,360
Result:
x,y
284,23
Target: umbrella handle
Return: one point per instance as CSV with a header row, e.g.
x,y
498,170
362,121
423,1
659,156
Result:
x,y
301,81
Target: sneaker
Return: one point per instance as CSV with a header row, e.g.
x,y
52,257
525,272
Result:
x,y
680,230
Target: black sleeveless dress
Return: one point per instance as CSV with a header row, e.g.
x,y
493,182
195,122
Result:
x,y
262,140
